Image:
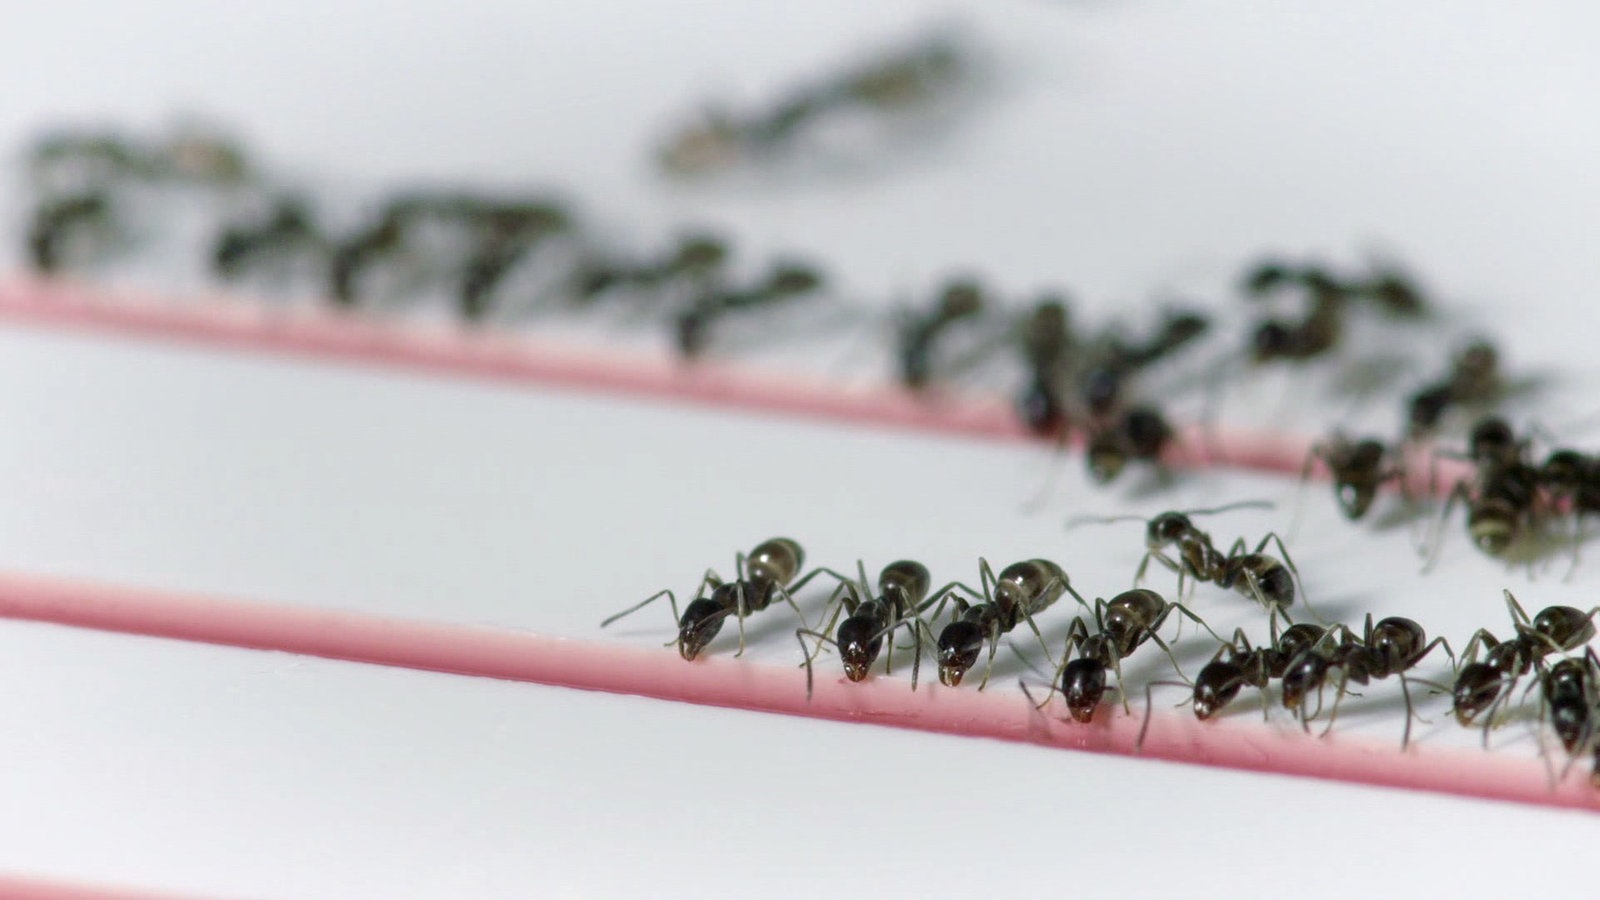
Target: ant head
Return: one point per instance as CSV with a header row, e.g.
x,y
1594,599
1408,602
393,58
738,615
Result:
x,y
701,621
1477,687
1564,468
1146,429
859,642
959,646
1304,674
1167,528
1083,684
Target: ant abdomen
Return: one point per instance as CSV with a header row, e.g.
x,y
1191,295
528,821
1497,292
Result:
x,y
1303,675
1394,641
907,578
777,560
1564,626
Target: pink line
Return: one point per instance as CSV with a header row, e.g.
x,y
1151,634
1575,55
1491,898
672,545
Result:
x,y
239,323
1237,743
22,887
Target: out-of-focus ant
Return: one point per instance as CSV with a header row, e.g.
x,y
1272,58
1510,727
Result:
x,y
786,281
919,334
288,230
1474,378
1502,497
65,228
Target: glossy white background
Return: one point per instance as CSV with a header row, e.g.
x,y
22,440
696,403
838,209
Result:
x,y
1126,146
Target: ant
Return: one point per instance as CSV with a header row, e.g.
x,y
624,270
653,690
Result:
x,y
1125,623
1104,378
1358,468
1237,665
289,227
771,571
1393,646
1022,591
961,300
1569,693
901,599
507,233
1047,341
1502,496
1483,686
785,281
57,221
1474,377
1253,574
1141,433
697,257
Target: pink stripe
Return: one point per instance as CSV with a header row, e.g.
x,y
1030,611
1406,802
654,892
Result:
x,y
1238,743
329,335
21,887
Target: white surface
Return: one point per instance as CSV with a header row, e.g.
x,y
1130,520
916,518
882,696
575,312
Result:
x,y
1130,147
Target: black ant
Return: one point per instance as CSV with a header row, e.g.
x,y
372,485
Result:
x,y
1139,434
506,234
1474,377
1047,342
1125,623
770,572
697,257
1503,495
961,300
1483,686
1357,467
901,599
57,222
1569,689
1237,665
288,228
785,281
1022,591
1393,646
1110,365
1252,573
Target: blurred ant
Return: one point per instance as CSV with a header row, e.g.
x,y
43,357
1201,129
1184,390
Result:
x,y
1393,646
1502,496
786,281
698,257
1022,591
770,572
1047,342
901,599
1237,665
65,225
505,234
1481,687
918,334
287,229
1124,624
1138,434
1113,362
1474,378
1357,468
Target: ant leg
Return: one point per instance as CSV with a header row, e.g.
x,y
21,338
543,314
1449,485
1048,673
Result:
x,y
994,644
1411,713
1519,616
799,634
1436,541
1034,626
1480,638
1312,455
642,604
1190,614
741,606
1149,706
